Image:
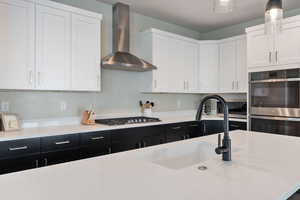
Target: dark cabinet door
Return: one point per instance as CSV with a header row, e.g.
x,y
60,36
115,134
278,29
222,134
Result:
x,y
153,135
210,127
194,129
19,164
58,157
95,144
134,138
234,125
126,139
176,132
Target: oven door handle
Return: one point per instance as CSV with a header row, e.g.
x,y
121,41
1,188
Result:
x,y
276,80
276,118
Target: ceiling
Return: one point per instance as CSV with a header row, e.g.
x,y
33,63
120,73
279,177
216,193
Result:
x,y
198,14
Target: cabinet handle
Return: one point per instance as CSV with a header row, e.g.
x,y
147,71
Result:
x,y
234,126
109,150
155,84
39,78
30,77
187,85
36,163
18,148
194,125
63,142
232,85
184,85
98,81
276,56
144,144
270,57
237,85
176,128
97,138
46,161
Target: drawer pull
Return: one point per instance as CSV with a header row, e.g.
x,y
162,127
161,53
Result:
x,y
234,126
176,128
18,148
97,138
63,142
194,125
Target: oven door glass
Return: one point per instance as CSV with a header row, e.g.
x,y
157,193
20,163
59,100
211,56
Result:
x,y
282,127
276,94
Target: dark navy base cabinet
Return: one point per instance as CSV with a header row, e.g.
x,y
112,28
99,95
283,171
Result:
x,y
26,154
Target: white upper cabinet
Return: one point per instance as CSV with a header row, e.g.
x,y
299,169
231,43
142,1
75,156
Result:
x,y
227,72
49,46
17,44
233,65
208,68
86,60
259,48
176,59
241,65
287,45
53,49
275,52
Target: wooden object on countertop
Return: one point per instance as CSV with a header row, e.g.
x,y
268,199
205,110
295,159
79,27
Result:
x,y
9,122
88,118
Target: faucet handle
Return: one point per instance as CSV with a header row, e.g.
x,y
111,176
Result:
x,y
219,140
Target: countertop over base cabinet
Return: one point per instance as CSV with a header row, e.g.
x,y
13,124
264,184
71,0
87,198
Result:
x,y
49,46
281,51
176,58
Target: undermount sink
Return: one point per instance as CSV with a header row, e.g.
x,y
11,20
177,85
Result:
x,y
182,155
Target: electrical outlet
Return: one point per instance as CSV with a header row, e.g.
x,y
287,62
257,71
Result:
x,y
63,106
4,106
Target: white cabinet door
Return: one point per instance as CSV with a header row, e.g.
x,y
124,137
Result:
x,y
259,49
227,72
53,48
288,46
189,67
161,54
17,44
241,66
208,72
86,59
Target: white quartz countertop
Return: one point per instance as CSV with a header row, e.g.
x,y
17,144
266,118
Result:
x,y
263,167
78,128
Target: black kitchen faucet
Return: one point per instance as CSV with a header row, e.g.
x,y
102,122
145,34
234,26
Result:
x,y
225,149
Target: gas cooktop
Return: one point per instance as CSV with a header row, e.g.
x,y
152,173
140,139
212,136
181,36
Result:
x,y
127,120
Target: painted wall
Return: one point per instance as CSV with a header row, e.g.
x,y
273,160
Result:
x,y
239,29
120,92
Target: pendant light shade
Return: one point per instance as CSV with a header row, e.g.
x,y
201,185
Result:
x,y
273,17
223,6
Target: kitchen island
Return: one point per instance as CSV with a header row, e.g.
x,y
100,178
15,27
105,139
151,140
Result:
x,y
264,167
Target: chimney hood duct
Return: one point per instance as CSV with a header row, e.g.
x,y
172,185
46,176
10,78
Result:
x,y
121,59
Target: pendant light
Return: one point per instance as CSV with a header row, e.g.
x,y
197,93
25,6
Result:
x,y
273,17
223,6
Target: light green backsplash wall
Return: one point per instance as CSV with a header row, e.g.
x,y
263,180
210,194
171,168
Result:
x,y
239,29
120,89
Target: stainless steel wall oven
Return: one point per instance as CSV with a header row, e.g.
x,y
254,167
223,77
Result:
x,y
275,101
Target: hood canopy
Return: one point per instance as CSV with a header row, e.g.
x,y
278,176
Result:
x,y
121,59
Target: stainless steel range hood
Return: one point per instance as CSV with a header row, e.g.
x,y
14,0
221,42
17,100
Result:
x,y
121,59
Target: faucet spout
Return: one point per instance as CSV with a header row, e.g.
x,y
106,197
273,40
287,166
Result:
x,y
225,148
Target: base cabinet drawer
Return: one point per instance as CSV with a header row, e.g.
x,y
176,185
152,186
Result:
x,y
176,132
95,144
19,148
58,143
234,125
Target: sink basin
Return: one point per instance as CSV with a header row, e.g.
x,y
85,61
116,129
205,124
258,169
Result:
x,y
182,155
